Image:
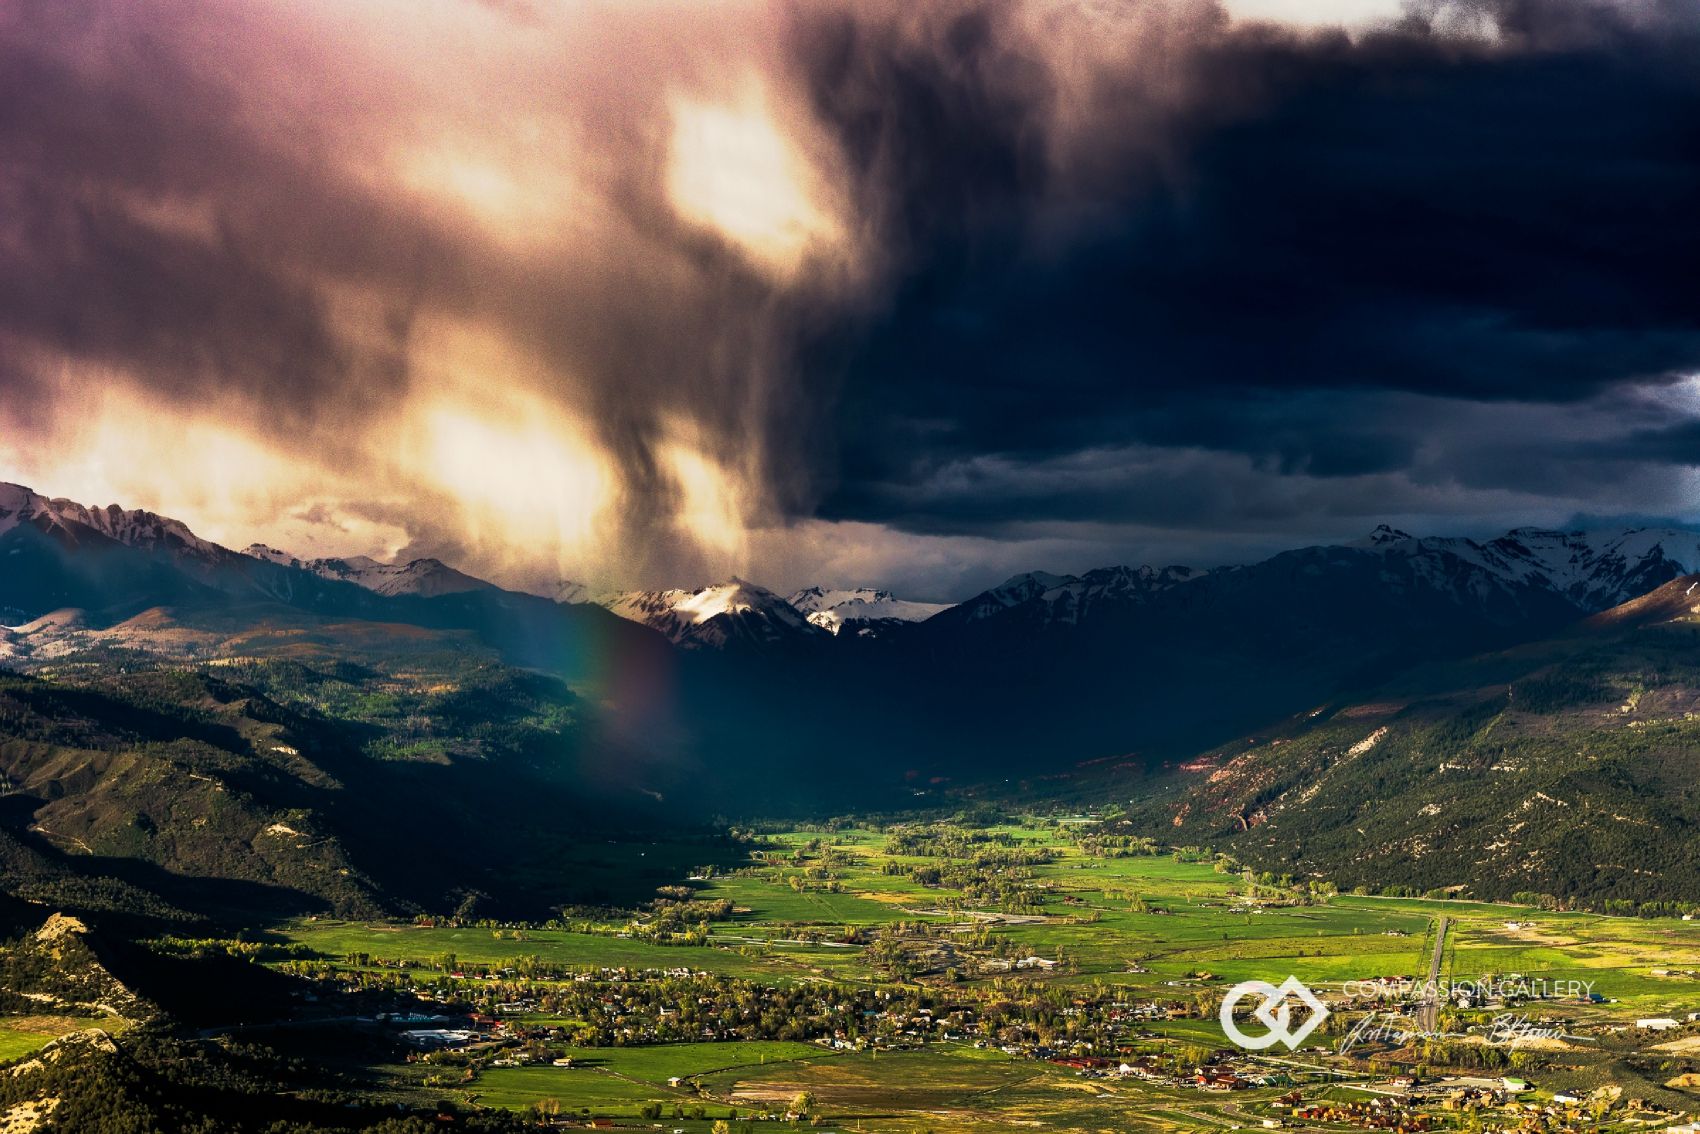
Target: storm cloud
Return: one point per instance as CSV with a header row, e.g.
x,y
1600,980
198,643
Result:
x,y
847,293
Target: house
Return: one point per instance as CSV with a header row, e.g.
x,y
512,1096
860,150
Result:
x,y
1514,1086
1567,1098
1084,1062
1657,1024
437,1037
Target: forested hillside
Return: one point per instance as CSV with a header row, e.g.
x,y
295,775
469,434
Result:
x,y
1568,767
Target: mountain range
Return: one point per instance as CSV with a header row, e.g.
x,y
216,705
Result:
x,y
732,699
1527,577
428,577
1312,617
1588,570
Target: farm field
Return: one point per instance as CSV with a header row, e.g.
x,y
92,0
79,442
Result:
x,y
481,946
944,1088
1195,918
619,1081
869,966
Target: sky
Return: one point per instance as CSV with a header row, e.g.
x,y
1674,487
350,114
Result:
x,y
915,295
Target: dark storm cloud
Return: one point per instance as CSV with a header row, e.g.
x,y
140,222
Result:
x,y
1672,444
108,125
1308,215
1073,274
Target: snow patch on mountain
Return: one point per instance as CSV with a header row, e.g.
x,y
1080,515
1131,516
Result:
x,y
1590,570
1594,570
860,608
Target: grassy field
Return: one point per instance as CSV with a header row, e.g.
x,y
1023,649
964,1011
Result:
x,y
618,1081
22,1035
599,1093
1189,922
481,946
946,1088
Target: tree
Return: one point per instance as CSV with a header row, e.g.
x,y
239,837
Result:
x,y
803,1104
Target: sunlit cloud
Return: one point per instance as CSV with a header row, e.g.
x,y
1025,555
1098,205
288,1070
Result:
x,y
236,486
1318,13
525,479
711,500
731,168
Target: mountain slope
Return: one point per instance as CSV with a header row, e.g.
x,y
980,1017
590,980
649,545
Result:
x,y
1159,664
287,776
1563,766
1041,599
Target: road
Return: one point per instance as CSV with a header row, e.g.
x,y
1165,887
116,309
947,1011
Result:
x,y
1428,1016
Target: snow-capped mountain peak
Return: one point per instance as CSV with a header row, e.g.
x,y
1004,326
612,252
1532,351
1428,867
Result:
x,y
136,528
1384,535
861,608
733,611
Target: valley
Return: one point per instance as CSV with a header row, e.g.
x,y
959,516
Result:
x,y
912,976
854,566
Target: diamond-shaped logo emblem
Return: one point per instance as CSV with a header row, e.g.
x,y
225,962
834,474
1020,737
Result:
x,y
1274,1010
